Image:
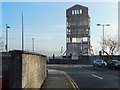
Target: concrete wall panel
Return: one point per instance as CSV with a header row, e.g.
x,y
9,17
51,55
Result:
x,y
28,70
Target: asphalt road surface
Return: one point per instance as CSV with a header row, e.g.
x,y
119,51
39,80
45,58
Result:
x,y
88,77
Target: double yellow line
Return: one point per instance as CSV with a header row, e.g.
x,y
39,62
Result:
x,y
74,85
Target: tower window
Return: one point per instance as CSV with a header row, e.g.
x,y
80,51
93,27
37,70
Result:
x,y
75,11
80,11
72,12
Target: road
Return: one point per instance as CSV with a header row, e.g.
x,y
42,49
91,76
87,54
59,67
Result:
x,y
88,77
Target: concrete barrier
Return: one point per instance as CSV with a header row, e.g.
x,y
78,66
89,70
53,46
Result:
x,y
28,70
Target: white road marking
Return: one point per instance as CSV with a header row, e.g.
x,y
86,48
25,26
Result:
x,y
53,70
97,76
75,66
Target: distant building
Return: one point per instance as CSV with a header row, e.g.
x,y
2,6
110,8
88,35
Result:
x,y
77,31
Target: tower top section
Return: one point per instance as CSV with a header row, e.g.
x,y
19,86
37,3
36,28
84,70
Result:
x,y
77,10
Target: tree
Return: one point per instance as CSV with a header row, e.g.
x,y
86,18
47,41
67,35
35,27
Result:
x,y
112,44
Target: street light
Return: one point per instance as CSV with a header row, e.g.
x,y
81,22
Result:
x,y
61,50
6,46
103,25
33,44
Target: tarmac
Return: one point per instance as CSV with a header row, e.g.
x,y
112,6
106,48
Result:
x,y
59,80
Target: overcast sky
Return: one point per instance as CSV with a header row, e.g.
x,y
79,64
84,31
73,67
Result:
x,y
46,22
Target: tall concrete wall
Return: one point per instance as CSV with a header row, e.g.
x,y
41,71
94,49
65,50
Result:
x,y
28,70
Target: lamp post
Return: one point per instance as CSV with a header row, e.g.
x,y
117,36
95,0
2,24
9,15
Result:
x,y
33,44
61,55
103,25
22,33
6,46
61,50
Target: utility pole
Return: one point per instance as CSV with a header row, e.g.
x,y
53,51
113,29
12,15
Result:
x,y
33,44
22,33
6,46
61,50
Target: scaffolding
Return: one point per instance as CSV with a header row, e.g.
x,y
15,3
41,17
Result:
x,y
77,31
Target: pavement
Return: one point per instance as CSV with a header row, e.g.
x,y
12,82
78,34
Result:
x,y
59,80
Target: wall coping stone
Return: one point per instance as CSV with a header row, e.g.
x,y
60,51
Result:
x,y
26,52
